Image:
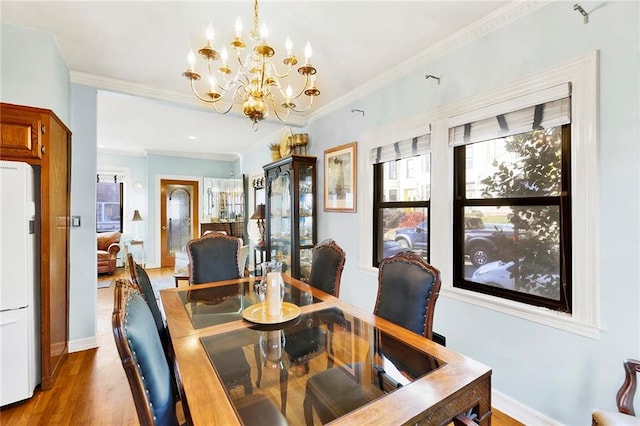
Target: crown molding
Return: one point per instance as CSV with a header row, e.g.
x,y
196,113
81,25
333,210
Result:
x,y
137,89
490,23
230,157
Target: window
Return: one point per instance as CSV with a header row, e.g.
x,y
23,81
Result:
x,y
393,171
109,196
400,206
512,214
410,167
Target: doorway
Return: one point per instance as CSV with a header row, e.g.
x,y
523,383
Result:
x,y
178,217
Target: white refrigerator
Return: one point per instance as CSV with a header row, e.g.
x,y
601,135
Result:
x,y
19,284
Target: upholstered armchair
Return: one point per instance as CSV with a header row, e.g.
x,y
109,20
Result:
x,y
108,248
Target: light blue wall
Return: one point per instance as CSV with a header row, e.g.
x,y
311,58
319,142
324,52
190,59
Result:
x,y
33,72
83,281
163,167
560,374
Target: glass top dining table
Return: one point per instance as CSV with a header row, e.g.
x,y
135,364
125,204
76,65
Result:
x,y
331,362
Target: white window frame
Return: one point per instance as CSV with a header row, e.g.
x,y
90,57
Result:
x,y
582,74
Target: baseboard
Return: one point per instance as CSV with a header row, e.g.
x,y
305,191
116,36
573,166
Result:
x,y
83,344
518,411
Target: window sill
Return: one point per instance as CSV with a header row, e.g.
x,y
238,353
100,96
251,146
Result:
x,y
561,321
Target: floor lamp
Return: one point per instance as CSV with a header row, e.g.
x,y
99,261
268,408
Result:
x,y
136,218
259,215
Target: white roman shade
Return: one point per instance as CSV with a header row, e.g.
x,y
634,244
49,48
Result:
x,y
106,177
399,150
547,108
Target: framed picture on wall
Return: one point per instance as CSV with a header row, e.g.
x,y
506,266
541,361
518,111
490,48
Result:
x,y
340,171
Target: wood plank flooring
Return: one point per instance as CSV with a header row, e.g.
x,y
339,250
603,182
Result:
x,y
92,388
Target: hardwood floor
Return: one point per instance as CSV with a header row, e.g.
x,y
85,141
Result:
x,y
92,388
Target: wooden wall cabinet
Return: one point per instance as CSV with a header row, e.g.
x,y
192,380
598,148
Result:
x,y
291,213
38,137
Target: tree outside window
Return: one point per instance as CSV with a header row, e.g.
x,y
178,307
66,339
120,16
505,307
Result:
x,y
512,214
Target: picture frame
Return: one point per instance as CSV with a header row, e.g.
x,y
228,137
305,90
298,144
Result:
x,y
340,173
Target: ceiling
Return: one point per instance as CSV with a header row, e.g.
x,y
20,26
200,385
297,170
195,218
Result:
x,y
135,53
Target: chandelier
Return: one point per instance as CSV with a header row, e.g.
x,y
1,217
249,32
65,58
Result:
x,y
256,81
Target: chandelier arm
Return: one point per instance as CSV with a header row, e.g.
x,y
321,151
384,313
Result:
x,y
229,84
215,107
195,92
275,110
307,108
277,73
304,87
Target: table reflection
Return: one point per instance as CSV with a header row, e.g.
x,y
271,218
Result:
x,y
329,360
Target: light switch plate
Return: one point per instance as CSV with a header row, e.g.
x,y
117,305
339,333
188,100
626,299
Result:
x,y
75,221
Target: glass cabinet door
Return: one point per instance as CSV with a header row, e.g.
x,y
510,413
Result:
x,y
280,222
305,220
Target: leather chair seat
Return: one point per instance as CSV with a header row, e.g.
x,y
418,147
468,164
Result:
x,y
334,392
258,410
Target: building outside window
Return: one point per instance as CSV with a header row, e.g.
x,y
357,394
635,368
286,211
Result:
x,y
512,215
109,203
401,205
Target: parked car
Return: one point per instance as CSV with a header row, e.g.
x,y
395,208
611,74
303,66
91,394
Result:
x,y
390,247
415,237
499,274
480,239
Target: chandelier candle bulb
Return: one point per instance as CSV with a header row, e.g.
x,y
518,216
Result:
x,y
289,46
307,53
210,34
191,59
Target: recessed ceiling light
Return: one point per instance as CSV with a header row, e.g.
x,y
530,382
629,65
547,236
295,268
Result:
x,y
100,145
193,138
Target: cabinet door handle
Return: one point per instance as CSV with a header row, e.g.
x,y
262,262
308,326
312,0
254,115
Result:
x,y
42,150
43,129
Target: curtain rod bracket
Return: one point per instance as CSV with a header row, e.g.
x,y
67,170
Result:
x,y
357,110
582,12
428,76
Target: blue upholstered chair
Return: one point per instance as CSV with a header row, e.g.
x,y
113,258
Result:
x,y
327,265
145,364
213,257
408,288
143,357
140,278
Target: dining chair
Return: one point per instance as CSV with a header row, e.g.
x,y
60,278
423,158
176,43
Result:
x,y
327,264
213,257
147,369
143,357
626,415
140,278
408,288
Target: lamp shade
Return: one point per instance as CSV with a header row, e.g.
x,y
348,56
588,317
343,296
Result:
x,y
259,213
136,216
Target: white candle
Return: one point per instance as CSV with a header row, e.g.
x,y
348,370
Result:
x,y
272,298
